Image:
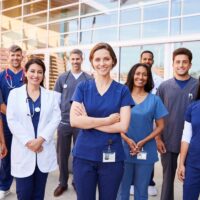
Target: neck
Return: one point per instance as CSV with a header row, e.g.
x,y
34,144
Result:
x,y
32,88
138,91
15,69
103,80
76,71
182,78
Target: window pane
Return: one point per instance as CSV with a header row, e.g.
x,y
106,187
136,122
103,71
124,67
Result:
x,y
64,13
87,9
36,19
64,26
175,27
102,5
35,7
175,8
99,20
130,32
155,29
10,3
11,36
8,23
191,6
129,2
191,25
156,11
130,15
34,32
34,44
16,12
56,3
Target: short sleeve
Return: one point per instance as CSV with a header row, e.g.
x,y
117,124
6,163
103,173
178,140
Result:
x,y
160,109
188,113
127,99
1,98
79,93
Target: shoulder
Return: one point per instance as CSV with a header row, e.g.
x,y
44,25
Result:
x,y
18,90
63,76
166,83
2,74
87,75
194,80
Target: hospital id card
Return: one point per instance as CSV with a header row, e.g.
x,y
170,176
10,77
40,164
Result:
x,y
109,156
142,155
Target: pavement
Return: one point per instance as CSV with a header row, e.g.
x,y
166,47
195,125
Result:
x,y
71,195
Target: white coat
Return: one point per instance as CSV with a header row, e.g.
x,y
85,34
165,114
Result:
x,y
23,160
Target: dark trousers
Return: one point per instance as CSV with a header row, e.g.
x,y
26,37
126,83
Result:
x,y
5,176
89,174
169,164
191,187
65,135
32,187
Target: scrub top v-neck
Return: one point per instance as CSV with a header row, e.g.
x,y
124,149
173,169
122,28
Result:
x,y
91,143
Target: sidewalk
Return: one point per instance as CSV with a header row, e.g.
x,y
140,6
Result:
x,y
70,194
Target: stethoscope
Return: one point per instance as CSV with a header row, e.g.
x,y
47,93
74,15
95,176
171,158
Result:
x,y
9,81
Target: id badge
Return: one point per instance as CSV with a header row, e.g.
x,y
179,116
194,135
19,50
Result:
x,y
142,155
109,156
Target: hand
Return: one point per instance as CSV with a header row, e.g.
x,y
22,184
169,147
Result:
x,y
114,118
80,110
181,173
140,145
132,145
161,146
35,145
3,150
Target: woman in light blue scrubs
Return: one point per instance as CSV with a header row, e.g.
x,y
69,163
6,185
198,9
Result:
x,y
101,109
189,163
140,137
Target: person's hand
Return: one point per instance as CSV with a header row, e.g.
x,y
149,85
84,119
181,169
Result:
x,y
35,145
3,150
114,118
131,143
160,146
140,145
80,110
181,173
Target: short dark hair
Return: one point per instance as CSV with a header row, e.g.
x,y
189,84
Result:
x,y
76,51
183,51
38,62
130,81
147,51
15,48
106,46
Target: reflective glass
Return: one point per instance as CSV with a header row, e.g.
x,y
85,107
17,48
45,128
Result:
x,y
86,9
175,27
128,57
156,11
58,3
10,3
9,24
36,19
11,36
64,13
124,3
64,26
191,6
35,32
130,32
99,20
35,7
130,15
191,25
34,44
155,29
16,12
175,8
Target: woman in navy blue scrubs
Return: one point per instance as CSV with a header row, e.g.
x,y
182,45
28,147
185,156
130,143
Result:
x,y
189,163
101,109
33,115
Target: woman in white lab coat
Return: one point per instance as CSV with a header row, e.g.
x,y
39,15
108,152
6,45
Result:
x,y
33,115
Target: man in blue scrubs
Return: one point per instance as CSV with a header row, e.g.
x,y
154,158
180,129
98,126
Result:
x,y
66,85
10,78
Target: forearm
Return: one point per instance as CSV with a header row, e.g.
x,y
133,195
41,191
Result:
x,y
183,152
1,133
3,108
155,134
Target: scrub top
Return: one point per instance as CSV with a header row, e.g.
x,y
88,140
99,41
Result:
x,y
141,125
6,85
192,116
34,108
91,143
1,97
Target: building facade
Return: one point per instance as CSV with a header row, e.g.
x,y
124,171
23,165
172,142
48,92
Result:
x,y
51,28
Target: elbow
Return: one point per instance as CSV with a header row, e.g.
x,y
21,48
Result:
x,y
72,123
124,129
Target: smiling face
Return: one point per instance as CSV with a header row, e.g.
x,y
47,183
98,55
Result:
x,y
75,61
34,74
181,65
102,62
147,58
140,77
15,59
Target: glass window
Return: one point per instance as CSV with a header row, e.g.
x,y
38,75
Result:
x,y
11,35
33,44
87,9
64,26
124,3
130,15
128,57
191,6
34,32
155,29
86,66
35,7
9,24
156,11
10,3
36,19
130,32
64,13
191,25
175,28
175,8
56,3
16,12
99,20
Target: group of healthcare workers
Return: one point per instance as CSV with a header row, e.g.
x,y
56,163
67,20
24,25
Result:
x,y
116,141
